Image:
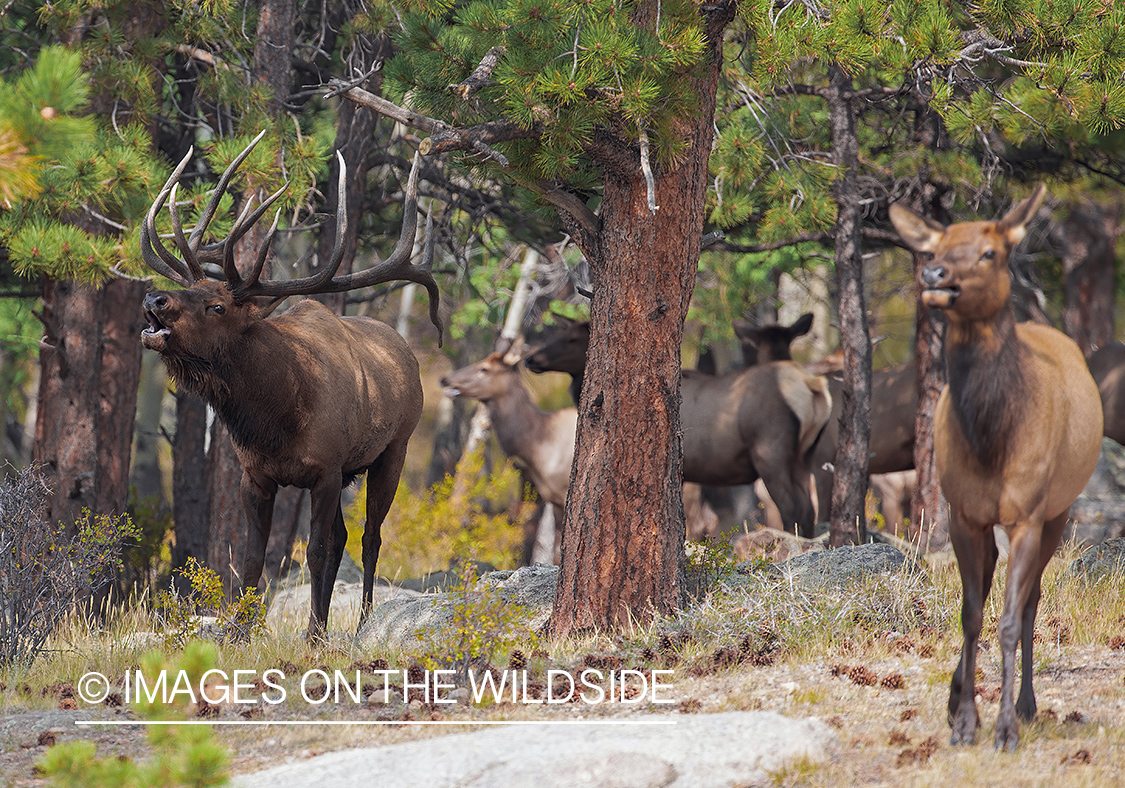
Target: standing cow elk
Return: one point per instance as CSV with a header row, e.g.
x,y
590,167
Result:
x,y
310,399
1017,434
761,422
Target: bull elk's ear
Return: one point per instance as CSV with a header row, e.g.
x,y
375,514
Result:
x,y
801,326
744,331
1014,223
921,234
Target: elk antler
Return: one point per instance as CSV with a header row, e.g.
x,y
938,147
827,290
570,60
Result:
x,y
187,271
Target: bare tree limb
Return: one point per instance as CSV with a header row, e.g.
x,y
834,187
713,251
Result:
x,y
481,76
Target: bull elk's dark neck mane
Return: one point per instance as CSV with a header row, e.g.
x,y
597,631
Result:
x,y
233,381
986,383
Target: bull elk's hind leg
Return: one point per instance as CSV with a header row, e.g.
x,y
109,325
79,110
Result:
x,y
975,548
382,482
1032,547
324,527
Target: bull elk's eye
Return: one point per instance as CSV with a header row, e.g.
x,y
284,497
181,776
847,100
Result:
x,y
216,309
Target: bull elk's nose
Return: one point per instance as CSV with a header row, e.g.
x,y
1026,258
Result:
x,y
934,275
156,300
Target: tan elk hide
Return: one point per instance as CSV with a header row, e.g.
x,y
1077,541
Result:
x,y
310,399
1016,436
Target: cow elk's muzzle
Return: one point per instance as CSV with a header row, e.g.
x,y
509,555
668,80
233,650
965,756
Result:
x,y
938,291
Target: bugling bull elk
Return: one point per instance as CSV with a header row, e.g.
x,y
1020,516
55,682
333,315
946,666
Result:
x,y
310,399
1017,435
760,422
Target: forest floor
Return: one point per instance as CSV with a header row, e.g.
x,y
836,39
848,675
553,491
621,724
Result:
x,y
874,663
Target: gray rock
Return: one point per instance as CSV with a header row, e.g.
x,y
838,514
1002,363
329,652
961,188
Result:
x,y
397,622
732,748
22,730
291,605
845,565
1105,559
1099,513
444,579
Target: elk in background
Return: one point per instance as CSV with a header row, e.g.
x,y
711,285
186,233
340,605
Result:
x,y
311,399
1017,434
1107,365
760,422
542,441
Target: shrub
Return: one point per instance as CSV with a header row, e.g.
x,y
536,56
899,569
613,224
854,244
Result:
x,y
236,621
423,531
43,573
184,755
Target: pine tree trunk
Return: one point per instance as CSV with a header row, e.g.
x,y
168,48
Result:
x,y
1088,270
623,531
228,524
848,524
88,396
929,512
190,499
146,476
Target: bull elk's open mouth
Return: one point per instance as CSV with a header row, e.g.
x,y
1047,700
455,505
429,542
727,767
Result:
x,y
155,327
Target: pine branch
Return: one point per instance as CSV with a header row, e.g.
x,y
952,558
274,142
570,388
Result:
x,y
481,76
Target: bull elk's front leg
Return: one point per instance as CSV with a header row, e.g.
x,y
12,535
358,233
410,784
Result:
x,y
257,502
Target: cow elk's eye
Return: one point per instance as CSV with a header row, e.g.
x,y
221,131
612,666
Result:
x,y
988,254
216,309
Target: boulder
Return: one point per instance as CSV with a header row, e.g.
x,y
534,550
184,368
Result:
x,y
843,565
681,751
1103,560
397,622
1099,513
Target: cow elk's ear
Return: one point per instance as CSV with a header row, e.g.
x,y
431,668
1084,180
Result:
x,y
744,331
921,234
1014,223
801,325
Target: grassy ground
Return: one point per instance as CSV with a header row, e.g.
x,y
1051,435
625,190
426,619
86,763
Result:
x,y
874,662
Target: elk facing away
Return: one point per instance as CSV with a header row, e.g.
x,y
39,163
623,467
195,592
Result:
x,y
760,422
1017,435
310,399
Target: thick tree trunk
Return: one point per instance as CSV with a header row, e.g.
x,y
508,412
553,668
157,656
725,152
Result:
x,y
146,476
1091,232
623,531
848,524
89,373
190,499
929,512
228,525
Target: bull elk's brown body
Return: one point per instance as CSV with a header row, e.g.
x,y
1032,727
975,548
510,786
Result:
x,y
760,422
310,399
1017,435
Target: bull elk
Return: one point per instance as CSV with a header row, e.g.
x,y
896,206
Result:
x,y
761,422
310,399
1017,435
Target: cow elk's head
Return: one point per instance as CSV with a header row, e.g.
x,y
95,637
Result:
x,y
207,315
968,276
486,380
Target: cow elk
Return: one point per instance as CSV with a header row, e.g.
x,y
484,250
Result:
x,y
1017,434
310,399
761,422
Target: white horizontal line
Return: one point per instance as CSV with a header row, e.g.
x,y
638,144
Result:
x,y
376,722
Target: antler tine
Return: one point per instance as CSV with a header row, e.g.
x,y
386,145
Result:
x,y
220,189
395,267
155,254
263,253
230,270
185,249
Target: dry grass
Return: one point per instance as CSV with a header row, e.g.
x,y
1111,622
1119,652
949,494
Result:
x,y
874,662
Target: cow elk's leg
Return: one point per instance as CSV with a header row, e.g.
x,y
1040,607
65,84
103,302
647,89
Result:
x,y
257,503
1032,546
382,482
322,545
1052,535
975,549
